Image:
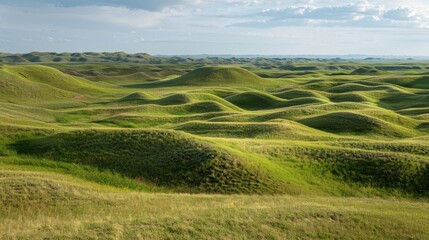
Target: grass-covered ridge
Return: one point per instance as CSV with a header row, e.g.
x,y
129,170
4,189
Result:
x,y
163,158
214,76
354,123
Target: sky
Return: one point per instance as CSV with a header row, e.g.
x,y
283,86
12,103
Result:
x,y
180,27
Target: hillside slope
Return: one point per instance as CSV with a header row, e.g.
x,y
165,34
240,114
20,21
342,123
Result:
x,y
215,76
161,157
24,83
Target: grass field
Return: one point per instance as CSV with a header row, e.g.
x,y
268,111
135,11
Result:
x,y
213,149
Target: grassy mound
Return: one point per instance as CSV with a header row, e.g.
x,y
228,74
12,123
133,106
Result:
x,y
160,157
175,99
101,112
273,130
13,59
424,126
391,117
349,87
16,88
367,71
319,85
155,120
349,97
421,82
200,107
304,101
383,168
358,87
354,123
292,94
137,96
220,76
254,100
414,111
406,100
215,76
299,112
54,78
403,146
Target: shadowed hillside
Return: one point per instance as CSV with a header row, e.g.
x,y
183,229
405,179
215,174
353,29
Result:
x,y
160,157
353,123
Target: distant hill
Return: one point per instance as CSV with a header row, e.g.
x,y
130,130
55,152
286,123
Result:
x,y
285,62
212,76
367,71
76,57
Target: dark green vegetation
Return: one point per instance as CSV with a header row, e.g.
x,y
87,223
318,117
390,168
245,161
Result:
x,y
163,157
309,137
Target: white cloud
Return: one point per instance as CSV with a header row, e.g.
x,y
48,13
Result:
x,y
359,14
201,26
151,5
120,16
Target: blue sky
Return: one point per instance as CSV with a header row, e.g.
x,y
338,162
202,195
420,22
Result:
x,y
378,27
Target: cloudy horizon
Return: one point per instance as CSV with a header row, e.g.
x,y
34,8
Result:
x,y
254,27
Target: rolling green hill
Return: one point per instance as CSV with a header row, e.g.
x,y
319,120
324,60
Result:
x,y
367,71
159,157
215,76
32,83
353,123
270,130
54,78
132,146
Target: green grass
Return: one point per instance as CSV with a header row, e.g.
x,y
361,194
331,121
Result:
x,y
214,76
92,175
54,206
292,94
367,71
35,85
160,157
258,101
139,147
349,97
54,78
354,123
270,130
